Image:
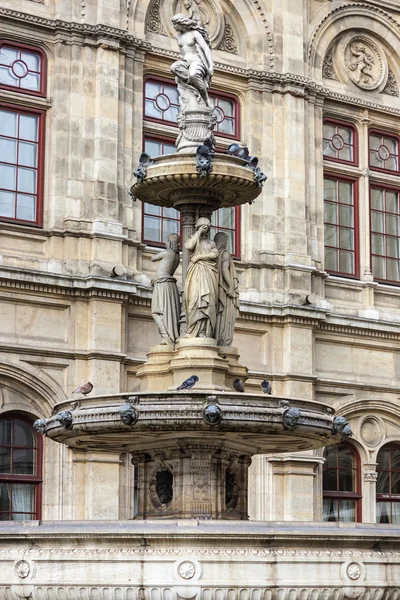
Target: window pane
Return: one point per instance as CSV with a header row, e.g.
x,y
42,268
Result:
x,y
152,229
151,110
152,147
152,210
329,150
374,142
8,123
378,244
383,483
227,106
152,89
28,128
392,224
331,259
346,192
330,480
347,510
331,457
331,212
329,130
8,151
347,239
8,177
23,461
377,222
226,218
27,154
31,82
7,204
5,497
330,190
23,501
26,207
392,202
330,509
383,512
227,126
5,460
395,459
374,159
7,77
377,199
172,114
346,216
169,227
172,93
346,133
346,457
8,55
393,270
27,180
32,60
378,267
346,262
346,481
5,432
169,149
392,247
396,483
346,153
331,236
23,434
171,213
383,460
391,163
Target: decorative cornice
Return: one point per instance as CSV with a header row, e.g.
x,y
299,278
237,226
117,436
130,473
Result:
x,y
357,330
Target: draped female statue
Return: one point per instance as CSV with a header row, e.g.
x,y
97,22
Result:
x,y
165,304
228,293
201,289
195,69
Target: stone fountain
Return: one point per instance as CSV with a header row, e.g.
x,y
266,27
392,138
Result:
x,y
193,443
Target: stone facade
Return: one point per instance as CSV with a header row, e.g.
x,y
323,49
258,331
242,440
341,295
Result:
x,y
76,292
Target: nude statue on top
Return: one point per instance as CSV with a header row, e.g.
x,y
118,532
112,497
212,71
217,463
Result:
x,y
165,305
195,69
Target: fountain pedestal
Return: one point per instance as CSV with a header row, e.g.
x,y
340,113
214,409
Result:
x,y
166,368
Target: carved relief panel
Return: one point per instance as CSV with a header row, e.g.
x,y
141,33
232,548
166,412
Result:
x,y
220,27
362,61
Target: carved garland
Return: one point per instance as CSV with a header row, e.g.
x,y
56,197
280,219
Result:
x,y
328,68
153,20
391,88
228,43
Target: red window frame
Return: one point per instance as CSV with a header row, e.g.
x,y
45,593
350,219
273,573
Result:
x,y
355,228
385,189
236,254
36,480
390,498
379,132
356,496
213,94
339,123
43,68
40,168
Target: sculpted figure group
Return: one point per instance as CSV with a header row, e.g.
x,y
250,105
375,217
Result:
x,y
211,295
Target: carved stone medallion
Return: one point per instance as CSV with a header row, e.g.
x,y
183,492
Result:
x,y
354,571
371,431
187,570
365,63
22,569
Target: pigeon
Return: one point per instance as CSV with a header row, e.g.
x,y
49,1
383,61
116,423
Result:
x,y
238,385
234,149
266,387
244,153
84,389
188,383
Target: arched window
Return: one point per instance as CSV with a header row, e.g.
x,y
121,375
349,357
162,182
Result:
x,y
388,485
20,469
341,484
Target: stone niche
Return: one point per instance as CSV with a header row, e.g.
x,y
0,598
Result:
x,y
203,482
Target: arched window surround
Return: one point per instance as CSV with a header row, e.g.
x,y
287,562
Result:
x,y
37,478
337,494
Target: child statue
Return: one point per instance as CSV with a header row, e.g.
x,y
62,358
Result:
x,y
228,293
165,304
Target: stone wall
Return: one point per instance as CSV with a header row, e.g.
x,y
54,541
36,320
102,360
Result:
x,y
66,318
